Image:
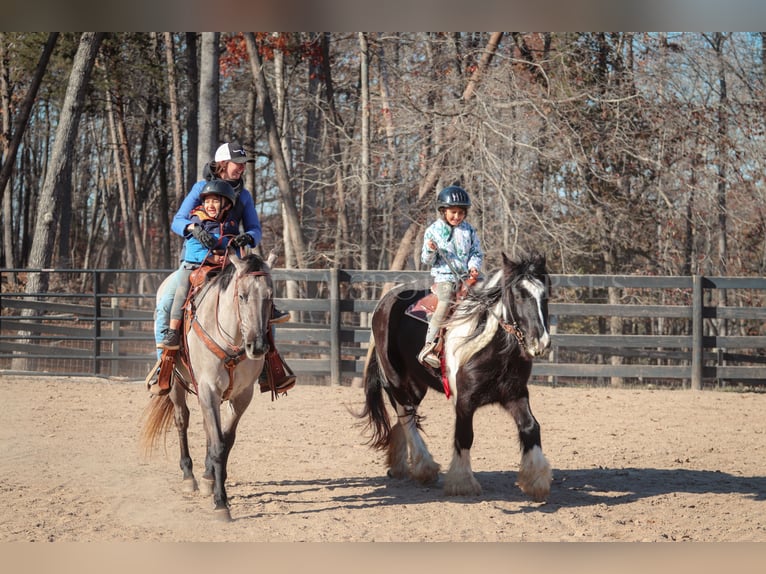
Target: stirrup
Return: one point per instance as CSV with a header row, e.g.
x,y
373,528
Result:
x,y
276,376
427,357
159,377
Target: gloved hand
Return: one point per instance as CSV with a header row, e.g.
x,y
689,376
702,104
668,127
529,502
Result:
x,y
203,236
243,239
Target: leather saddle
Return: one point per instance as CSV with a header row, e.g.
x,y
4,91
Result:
x,y
423,308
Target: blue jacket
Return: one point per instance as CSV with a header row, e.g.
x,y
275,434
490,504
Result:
x,y
243,210
460,246
222,231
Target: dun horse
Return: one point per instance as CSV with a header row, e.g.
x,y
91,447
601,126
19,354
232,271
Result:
x,y
226,344
489,344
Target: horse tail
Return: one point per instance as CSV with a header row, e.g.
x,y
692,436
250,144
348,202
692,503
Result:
x,y
374,405
158,417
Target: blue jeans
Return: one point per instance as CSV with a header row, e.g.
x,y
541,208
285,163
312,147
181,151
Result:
x,y
162,310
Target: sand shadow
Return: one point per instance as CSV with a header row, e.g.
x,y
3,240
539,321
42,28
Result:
x,y
571,488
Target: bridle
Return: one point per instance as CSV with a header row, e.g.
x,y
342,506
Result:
x,y
512,327
231,355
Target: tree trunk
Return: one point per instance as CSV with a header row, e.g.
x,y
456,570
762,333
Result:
x,y
290,260
58,175
192,109
9,154
208,100
364,183
175,122
280,167
129,259
49,207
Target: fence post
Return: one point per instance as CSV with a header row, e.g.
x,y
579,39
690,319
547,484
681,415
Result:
x,y
116,333
697,301
334,326
96,323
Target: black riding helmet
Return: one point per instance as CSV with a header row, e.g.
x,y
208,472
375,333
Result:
x,y
453,196
219,187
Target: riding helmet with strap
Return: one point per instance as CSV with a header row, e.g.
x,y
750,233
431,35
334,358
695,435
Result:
x,y
219,187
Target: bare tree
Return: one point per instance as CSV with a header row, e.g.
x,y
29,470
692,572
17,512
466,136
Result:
x,y
175,122
11,141
208,99
432,176
56,179
292,221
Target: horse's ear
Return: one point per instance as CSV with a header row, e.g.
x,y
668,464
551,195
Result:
x,y
234,258
509,266
271,259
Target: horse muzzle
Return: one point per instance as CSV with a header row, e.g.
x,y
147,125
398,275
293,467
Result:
x,y
538,346
256,348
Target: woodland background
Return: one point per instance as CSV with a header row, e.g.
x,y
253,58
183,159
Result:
x,y
614,153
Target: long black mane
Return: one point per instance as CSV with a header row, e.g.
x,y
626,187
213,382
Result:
x,y
479,301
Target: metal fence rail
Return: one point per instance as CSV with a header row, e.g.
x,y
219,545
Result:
x,y
689,331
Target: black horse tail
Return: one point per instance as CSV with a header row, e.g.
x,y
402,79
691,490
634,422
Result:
x,y
374,406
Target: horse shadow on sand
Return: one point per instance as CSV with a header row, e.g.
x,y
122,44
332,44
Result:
x,y
570,489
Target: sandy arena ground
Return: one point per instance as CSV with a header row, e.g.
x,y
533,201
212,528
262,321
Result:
x,y
629,465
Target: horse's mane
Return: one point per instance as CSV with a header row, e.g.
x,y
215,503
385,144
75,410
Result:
x,y
253,263
478,302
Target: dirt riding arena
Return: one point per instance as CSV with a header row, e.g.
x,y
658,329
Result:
x,y
629,465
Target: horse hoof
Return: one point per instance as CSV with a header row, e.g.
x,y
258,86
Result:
x,y
222,515
461,485
535,475
189,485
398,474
206,486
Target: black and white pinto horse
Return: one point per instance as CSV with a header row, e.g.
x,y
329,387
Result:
x,y
489,345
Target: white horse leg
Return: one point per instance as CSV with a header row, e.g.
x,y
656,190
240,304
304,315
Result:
x,y
423,468
459,480
397,453
535,474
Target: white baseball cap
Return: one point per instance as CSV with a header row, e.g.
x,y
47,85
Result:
x,y
232,151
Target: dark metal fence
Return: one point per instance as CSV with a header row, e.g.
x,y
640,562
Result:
x,y
676,331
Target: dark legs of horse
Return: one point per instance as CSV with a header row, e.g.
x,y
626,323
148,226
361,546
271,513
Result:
x,y
219,445
459,479
181,416
535,474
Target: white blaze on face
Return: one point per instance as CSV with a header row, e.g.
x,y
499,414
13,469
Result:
x,y
537,290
